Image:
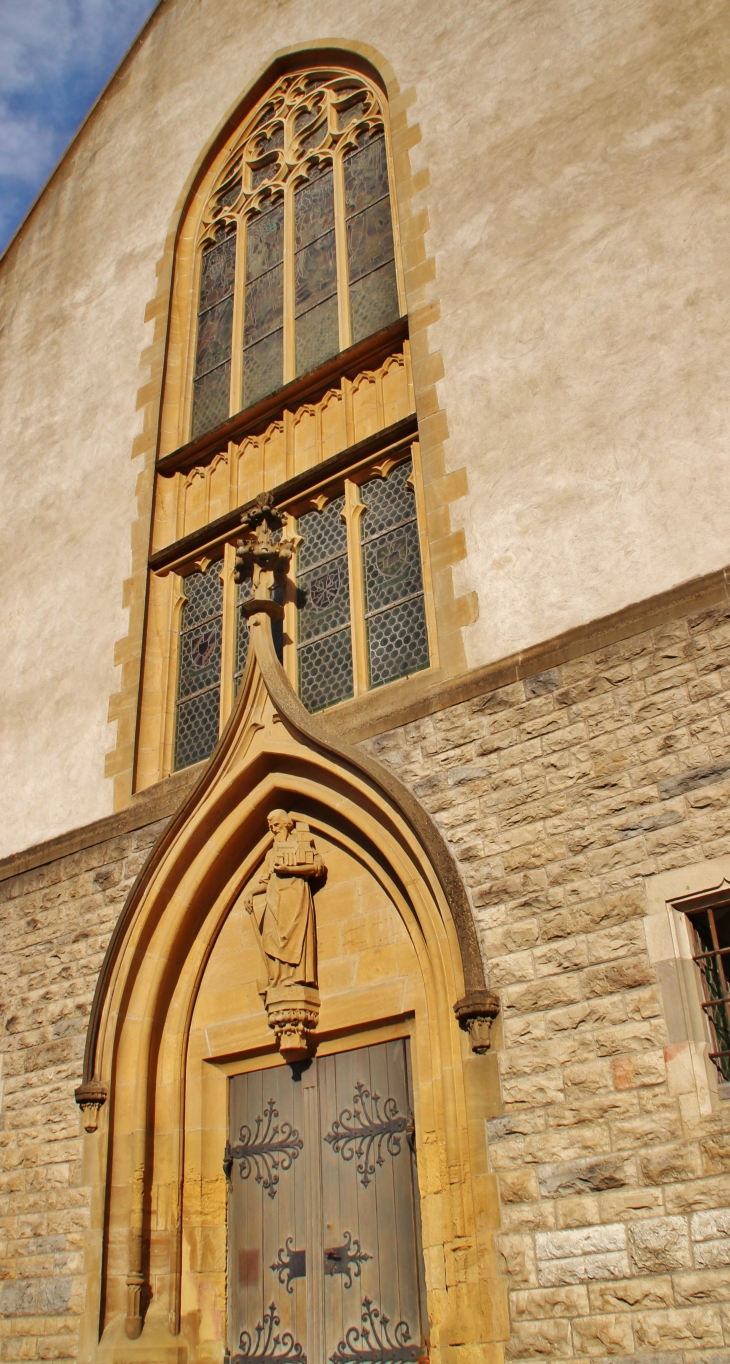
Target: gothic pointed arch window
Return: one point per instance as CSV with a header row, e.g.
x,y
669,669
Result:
x,y
297,256
288,375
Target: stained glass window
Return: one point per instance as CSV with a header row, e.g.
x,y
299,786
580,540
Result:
x,y
199,675
394,607
370,252
315,273
318,140
323,597
263,306
215,321
244,592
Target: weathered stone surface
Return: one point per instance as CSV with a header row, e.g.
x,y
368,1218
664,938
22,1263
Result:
x,y
543,1340
53,934
613,1131
610,1334
538,1303
632,1293
582,1176
681,1328
659,1243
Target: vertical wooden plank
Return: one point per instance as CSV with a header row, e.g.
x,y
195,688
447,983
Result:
x,y
371,1195
314,1235
260,1225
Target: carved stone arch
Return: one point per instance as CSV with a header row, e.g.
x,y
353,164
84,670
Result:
x,y
151,1165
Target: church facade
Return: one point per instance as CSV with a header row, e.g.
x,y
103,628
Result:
x,y
365,888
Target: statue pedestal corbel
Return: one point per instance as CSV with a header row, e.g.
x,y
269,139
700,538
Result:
x,y
293,1013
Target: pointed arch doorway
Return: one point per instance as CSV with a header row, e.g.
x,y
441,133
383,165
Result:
x,y
189,1047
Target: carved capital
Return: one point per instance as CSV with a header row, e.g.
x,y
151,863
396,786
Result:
x,y
90,1096
293,1014
475,1012
263,549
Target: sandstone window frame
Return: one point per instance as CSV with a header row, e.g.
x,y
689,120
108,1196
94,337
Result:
x,y
323,486
672,898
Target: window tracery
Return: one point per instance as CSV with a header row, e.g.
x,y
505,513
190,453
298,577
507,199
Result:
x,y
354,603
287,312
300,217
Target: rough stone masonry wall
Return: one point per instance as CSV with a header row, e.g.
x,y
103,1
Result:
x,y
55,923
559,796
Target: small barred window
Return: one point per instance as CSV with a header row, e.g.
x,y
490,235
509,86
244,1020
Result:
x,y
711,931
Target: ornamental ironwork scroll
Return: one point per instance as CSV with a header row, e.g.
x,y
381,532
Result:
x,y
273,1148
294,1266
364,1132
269,1347
373,1343
346,1259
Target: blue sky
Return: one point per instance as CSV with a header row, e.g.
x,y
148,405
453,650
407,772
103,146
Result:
x,y
55,58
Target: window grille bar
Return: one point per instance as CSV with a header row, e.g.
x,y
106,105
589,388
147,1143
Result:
x,y
713,972
398,525
203,373
359,211
322,562
314,639
204,620
191,696
217,303
379,610
389,260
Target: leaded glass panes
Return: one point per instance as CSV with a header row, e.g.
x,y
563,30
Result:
x,y
366,176
325,671
263,306
397,642
318,140
370,251
315,273
211,388
323,598
316,336
199,672
394,608
244,592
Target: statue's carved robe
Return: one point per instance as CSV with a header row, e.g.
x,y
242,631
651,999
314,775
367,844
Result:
x,y
286,924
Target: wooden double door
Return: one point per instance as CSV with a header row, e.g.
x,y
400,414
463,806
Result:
x,y
325,1259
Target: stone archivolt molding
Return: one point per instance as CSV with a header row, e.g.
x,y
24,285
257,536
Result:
x,y
274,755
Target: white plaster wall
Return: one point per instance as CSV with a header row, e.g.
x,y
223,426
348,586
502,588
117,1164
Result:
x,y
579,212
